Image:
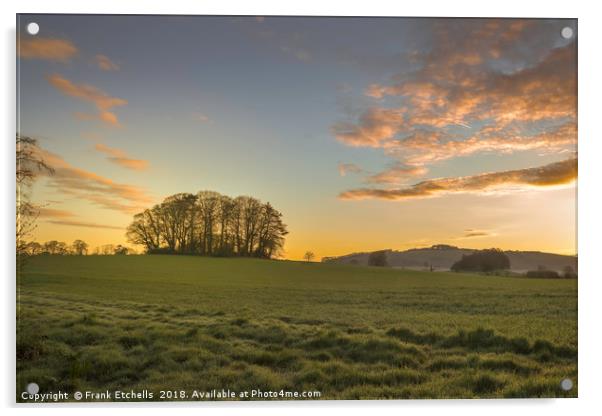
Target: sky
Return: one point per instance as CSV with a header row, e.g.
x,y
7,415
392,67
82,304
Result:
x,y
366,133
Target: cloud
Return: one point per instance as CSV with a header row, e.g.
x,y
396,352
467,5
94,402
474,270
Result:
x,y
376,125
558,173
54,213
60,50
546,91
345,168
103,102
62,218
119,157
94,188
469,233
486,85
423,147
84,224
396,174
105,63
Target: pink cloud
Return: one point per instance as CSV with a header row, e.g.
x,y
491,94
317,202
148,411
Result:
x,y
103,102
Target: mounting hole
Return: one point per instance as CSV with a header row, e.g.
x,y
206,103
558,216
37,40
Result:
x,y
33,388
33,28
566,384
566,32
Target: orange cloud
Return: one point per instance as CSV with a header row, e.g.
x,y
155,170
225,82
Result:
x,y
397,174
508,77
425,147
54,213
345,168
456,95
84,224
96,189
375,126
49,49
558,173
103,102
105,63
120,158
62,218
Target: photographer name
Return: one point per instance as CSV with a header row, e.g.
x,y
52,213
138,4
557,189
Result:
x,y
114,395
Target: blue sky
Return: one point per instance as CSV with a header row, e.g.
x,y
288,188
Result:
x,y
273,106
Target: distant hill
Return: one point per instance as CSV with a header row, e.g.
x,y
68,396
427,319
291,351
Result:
x,y
442,256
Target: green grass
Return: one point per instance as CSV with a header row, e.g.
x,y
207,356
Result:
x,y
169,322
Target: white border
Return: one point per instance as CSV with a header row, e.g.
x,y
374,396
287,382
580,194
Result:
x,y
590,209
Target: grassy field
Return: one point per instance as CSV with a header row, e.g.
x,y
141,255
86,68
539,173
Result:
x,y
349,332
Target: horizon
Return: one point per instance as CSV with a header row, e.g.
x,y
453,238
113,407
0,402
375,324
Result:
x,y
364,132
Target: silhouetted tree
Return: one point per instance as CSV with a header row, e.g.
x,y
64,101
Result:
x,y
378,258
209,224
107,249
34,248
29,164
483,261
121,250
79,247
308,256
543,274
55,247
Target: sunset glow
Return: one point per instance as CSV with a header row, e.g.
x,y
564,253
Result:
x,y
367,134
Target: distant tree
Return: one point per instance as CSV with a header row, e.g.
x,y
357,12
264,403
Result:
x,y
55,248
107,249
79,247
121,250
483,261
378,258
34,248
354,262
569,272
543,274
308,256
443,247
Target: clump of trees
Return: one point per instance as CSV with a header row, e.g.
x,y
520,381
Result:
x,y
209,224
110,249
569,273
443,247
483,261
543,273
378,258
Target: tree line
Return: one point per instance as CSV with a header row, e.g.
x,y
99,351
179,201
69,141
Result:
x,y
210,224
77,248
482,261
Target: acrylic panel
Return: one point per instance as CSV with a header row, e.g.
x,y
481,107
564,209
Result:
x,y
295,208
